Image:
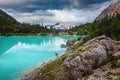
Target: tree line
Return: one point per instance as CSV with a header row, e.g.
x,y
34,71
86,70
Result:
x,y
107,26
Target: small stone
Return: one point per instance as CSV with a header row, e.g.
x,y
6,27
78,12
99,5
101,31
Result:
x,y
63,46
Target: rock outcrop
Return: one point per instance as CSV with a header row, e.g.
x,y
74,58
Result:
x,y
90,56
82,60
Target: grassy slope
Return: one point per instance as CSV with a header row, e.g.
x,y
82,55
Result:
x,y
53,71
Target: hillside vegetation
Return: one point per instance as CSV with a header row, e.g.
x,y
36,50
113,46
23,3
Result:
x,y
107,26
5,19
10,26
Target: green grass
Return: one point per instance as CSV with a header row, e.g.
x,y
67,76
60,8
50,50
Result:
x,y
54,71
113,60
103,63
112,73
81,50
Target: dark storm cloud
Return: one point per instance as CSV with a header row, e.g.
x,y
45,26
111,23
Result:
x,y
32,5
89,2
52,11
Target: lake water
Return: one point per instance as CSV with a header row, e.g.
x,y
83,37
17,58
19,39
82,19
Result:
x,y
21,54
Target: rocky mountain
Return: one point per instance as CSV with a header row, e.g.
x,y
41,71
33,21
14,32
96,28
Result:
x,y
61,26
6,19
107,23
110,11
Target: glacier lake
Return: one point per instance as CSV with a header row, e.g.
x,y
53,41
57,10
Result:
x,y
21,54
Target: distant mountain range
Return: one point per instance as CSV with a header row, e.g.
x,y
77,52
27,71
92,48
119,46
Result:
x,y
61,26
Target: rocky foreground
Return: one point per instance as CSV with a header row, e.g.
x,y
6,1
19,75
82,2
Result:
x,y
97,59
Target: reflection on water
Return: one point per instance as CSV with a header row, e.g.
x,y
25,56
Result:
x,y
20,54
46,46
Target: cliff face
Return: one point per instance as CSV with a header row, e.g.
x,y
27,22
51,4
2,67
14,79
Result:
x,y
110,11
80,61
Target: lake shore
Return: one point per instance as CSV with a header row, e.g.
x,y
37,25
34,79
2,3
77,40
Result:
x,y
23,53
33,73
38,34
101,49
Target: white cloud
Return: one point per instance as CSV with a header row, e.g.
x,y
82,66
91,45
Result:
x,y
53,16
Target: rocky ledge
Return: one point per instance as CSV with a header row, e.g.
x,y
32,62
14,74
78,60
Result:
x,y
81,62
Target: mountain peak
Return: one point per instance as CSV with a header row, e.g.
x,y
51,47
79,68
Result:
x,y
62,26
110,11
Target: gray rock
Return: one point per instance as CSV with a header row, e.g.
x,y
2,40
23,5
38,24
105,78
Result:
x,y
77,43
107,43
63,46
96,53
70,42
72,68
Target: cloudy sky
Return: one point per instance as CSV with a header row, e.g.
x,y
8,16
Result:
x,y
53,11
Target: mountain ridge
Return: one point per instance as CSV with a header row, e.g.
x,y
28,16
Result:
x,y
107,23
61,26
10,26
111,11
6,19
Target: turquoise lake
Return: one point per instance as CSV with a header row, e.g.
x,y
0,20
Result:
x,y
21,54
